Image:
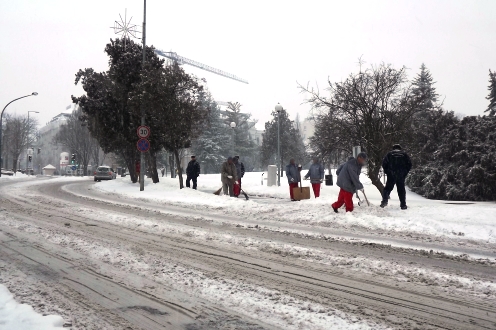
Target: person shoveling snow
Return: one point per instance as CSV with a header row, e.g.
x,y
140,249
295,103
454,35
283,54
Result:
x,y
349,182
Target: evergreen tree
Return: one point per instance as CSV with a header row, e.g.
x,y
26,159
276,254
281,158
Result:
x,y
492,94
111,105
291,142
423,89
463,163
243,145
212,147
424,123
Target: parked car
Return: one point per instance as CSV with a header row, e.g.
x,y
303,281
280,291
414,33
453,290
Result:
x,y
103,173
7,172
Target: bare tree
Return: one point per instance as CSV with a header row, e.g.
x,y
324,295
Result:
x,y
372,109
16,136
76,137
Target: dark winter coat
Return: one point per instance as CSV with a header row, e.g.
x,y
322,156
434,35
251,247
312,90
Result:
x,y
240,168
316,173
349,176
193,169
397,162
292,173
228,170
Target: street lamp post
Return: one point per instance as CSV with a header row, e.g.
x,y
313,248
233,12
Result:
x,y
1,126
27,144
279,166
142,156
233,126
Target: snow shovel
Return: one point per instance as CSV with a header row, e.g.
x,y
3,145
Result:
x,y
301,192
366,199
359,200
243,192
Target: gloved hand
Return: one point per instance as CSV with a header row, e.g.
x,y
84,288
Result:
x,y
236,182
229,176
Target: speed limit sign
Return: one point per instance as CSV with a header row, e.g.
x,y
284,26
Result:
x,y
143,132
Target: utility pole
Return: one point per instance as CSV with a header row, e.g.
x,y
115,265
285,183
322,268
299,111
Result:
x,y
142,156
278,109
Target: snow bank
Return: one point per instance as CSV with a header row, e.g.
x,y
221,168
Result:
x,y
17,176
430,217
23,317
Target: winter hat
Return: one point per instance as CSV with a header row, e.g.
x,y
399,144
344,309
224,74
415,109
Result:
x,y
362,155
397,147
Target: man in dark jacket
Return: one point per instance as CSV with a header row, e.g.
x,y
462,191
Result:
x,y
349,182
192,172
316,175
240,172
293,175
396,166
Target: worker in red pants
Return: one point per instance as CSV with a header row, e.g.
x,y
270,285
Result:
x,y
293,175
316,175
349,182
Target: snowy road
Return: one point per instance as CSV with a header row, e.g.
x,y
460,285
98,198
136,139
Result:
x,y
106,261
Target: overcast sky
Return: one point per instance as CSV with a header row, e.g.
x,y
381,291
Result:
x,y
272,44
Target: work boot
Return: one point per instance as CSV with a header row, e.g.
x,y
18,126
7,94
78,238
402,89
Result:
x,y
404,207
384,204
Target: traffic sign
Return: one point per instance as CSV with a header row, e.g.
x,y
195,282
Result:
x,y
143,145
143,132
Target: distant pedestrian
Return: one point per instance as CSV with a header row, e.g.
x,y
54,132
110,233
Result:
x,y
240,172
316,175
138,170
192,172
396,166
229,177
349,182
293,175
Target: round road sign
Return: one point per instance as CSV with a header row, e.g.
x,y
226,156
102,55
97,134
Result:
x,y
143,145
143,132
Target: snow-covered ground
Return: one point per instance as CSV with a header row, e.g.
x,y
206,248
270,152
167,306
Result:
x,y
470,221
270,209
15,316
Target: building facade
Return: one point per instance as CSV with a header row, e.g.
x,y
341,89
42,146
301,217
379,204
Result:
x,y
47,151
